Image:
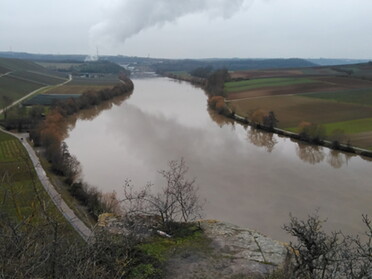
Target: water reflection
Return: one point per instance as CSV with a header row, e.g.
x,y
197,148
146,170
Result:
x,y
220,119
242,182
262,139
314,154
311,154
92,113
336,159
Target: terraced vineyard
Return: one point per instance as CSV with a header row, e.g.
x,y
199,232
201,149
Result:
x,y
10,149
23,199
23,77
14,88
36,77
18,177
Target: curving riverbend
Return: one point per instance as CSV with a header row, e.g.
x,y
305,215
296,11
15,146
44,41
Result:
x,y
248,177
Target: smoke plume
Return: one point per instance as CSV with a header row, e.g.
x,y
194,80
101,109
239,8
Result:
x,y
127,18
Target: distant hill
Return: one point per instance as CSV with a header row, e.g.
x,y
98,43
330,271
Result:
x,y
161,64
229,64
334,62
42,57
100,66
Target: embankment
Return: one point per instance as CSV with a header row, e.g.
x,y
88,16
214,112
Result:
x,y
51,132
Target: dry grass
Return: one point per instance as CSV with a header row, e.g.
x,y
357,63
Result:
x,y
363,140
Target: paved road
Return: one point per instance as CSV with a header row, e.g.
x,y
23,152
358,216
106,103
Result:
x,y
85,232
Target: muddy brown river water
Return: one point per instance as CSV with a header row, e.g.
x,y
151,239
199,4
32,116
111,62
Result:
x,y
247,177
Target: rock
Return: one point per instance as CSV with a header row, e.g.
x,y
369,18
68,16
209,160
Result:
x,y
229,251
235,253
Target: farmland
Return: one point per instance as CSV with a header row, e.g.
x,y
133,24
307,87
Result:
x,y
23,77
59,66
15,88
79,84
261,83
338,98
356,96
17,177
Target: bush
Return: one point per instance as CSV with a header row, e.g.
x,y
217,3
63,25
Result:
x,y
318,255
312,132
218,104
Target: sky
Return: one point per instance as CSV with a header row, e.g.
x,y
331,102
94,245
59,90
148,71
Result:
x,y
189,28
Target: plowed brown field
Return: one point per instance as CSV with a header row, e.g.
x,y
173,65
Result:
x,y
292,110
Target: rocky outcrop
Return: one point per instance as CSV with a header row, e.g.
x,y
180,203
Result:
x,y
228,251
234,253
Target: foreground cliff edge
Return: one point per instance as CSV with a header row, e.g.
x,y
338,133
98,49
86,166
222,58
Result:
x,y
217,250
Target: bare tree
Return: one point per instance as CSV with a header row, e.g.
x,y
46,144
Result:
x,y
358,258
176,202
318,255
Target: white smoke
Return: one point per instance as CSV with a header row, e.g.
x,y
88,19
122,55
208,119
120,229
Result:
x,y
129,17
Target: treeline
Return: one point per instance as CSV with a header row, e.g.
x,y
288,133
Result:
x,y
213,80
100,66
236,64
50,133
21,119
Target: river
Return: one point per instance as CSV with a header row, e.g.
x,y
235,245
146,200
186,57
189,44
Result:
x,y
246,177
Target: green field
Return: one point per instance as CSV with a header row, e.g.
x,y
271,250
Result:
x,y
357,96
3,70
79,85
48,99
24,78
26,209
15,88
106,79
18,177
292,110
237,86
58,66
19,180
41,78
339,98
350,127
76,89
